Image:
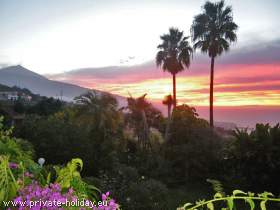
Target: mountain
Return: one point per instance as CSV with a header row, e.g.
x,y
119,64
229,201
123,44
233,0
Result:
x,y
24,78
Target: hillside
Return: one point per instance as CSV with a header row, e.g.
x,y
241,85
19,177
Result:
x,y
38,84
4,88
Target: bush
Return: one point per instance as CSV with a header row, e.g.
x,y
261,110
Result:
x,y
252,159
146,194
193,149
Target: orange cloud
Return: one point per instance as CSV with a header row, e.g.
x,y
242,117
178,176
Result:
x,y
235,85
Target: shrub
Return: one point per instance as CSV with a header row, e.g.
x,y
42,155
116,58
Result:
x,y
52,196
146,194
193,148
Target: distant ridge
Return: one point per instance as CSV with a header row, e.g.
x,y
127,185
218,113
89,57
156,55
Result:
x,y
24,78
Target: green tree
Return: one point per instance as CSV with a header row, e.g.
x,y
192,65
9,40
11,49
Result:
x,y
259,151
17,149
140,116
212,31
88,130
46,106
99,110
147,194
174,55
19,107
137,107
192,148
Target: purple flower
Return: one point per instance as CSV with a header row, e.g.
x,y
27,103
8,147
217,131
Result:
x,y
53,192
13,165
27,174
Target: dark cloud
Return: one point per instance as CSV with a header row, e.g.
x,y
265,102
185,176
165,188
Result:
x,y
264,53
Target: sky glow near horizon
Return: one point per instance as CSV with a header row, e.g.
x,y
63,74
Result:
x,y
54,37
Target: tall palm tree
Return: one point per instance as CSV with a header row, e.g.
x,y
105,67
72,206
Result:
x,y
174,55
168,101
213,31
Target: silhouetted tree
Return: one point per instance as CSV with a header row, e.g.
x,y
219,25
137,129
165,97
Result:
x,y
192,148
168,101
137,106
46,106
98,110
174,55
19,107
257,150
212,31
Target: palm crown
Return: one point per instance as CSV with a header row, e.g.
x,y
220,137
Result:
x,y
168,100
175,52
104,107
214,29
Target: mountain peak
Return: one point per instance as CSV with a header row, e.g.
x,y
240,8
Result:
x,y
22,77
20,71
15,67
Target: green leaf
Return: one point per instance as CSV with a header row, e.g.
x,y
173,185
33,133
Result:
x,y
251,203
48,178
251,194
12,190
230,203
187,205
263,207
210,206
2,195
266,194
93,188
238,192
218,195
200,202
78,162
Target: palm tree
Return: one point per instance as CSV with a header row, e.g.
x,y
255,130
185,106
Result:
x,y
168,101
174,55
137,106
100,108
213,31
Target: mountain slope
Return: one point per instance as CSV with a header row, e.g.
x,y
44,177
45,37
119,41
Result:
x,y
24,78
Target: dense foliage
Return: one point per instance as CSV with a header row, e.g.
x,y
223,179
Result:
x,y
25,182
252,159
164,174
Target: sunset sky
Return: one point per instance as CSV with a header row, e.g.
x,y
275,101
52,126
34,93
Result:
x,y
110,45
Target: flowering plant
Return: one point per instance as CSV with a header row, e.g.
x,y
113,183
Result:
x,y
36,197
30,186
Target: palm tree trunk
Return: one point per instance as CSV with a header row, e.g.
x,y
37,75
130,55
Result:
x,y
211,99
169,111
145,130
166,135
174,90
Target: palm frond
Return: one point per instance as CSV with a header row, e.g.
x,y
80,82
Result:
x,y
213,30
175,52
